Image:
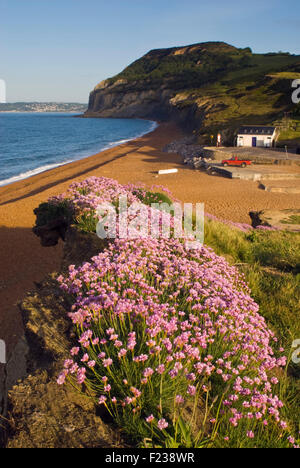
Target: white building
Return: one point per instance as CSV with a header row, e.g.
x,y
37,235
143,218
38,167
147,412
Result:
x,y
256,136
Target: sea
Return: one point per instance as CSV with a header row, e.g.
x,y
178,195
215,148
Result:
x,y
31,143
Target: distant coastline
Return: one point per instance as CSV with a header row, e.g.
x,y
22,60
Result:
x,y
42,107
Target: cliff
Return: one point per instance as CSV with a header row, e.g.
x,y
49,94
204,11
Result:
x,y
41,414
205,87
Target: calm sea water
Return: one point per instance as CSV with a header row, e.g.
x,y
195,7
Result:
x,y
32,143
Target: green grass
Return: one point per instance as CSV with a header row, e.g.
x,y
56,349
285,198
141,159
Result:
x,y
270,262
294,219
286,75
280,250
291,131
150,198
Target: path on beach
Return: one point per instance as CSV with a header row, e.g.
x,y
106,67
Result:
x,y
23,261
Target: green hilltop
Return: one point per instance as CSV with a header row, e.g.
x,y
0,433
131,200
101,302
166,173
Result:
x,y
208,87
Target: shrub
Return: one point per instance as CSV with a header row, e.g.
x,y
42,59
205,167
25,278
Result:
x,y
48,212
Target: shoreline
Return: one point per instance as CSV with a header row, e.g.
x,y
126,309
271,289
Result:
x,y
23,262
50,167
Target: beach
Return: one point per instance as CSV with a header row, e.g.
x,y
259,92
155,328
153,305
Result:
x,y
23,262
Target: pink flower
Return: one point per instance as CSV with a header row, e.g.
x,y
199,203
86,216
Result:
x,y
75,351
141,358
150,419
179,400
114,337
191,377
81,375
61,378
192,390
122,353
250,434
107,362
102,400
85,358
160,369
148,372
162,424
137,393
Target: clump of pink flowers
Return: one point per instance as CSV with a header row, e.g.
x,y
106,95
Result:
x,y
85,197
170,323
160,327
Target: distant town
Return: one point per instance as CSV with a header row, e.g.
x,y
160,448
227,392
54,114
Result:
x,y
43,107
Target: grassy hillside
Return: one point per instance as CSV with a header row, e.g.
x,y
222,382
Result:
x,y
223,85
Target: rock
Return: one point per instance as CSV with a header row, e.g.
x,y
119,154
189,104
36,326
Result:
x,y
51,232
187,149
42,414
80,247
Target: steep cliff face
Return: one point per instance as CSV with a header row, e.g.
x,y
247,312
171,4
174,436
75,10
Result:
x,y
204,87
122,101
117,101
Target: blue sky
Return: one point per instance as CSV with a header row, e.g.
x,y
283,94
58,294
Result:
x,y
58,50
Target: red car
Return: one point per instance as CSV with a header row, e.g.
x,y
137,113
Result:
x,y
235,161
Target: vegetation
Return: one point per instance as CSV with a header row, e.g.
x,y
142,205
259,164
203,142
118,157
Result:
x,y
230,86
169,340
290,129
271,264
48,212
294,219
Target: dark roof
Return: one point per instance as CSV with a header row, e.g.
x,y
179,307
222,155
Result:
x,y
256,130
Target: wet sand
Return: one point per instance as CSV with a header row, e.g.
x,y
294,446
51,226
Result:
x,y
23,261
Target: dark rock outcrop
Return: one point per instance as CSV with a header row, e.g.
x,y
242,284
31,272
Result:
x,y
51,232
